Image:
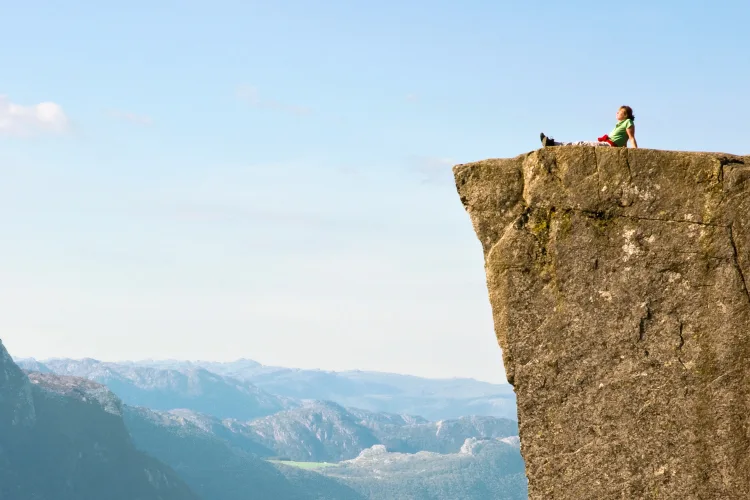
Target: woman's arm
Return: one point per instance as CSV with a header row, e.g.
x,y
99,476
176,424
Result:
x,y
631,135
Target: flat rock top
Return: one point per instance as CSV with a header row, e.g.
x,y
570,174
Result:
x,y
664,185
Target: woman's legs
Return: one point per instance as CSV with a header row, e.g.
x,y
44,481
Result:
x,y
548,141
583,143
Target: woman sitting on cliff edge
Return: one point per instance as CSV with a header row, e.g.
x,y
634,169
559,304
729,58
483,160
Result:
x,y
623,131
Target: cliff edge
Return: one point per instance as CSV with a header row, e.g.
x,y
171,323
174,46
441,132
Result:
x,y
618,282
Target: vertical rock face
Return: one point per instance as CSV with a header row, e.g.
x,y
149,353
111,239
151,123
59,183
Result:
x,y
618,281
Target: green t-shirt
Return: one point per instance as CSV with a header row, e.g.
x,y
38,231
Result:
x,y
618,134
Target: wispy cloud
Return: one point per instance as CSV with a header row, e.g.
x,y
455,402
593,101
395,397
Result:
x,y
25,121
412,97
135,118
250,95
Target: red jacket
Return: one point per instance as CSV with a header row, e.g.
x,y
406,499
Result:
x,y
605,138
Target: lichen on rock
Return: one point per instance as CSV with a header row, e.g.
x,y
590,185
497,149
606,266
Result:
x,y
618,285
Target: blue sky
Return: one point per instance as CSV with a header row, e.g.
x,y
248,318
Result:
x,y
272,180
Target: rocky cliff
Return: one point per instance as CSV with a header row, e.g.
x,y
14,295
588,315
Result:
x,y
618,285
64,438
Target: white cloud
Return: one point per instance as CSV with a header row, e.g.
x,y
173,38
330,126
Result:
x,y
251,96
23,121
131,117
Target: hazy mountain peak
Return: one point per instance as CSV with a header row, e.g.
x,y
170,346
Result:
x,y
78,388
30,364
171,386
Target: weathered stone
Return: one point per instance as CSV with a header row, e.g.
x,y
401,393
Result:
x,y
617,281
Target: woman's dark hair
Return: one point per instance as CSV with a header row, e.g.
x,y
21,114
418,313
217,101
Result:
x,y
629,112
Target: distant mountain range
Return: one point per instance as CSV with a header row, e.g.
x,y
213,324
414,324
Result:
x,y
216,463
322,431
245,389
69,438
165,388
231,431
327,432
219,465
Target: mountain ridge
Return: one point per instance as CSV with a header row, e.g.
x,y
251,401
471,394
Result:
x,y
166,389
284,388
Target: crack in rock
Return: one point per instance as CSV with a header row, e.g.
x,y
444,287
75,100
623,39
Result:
x,y
679,347
737,262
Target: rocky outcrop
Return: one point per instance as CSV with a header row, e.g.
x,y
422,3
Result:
x,y
618,282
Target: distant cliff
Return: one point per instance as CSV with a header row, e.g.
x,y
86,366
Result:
x,y
618,285
63,438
